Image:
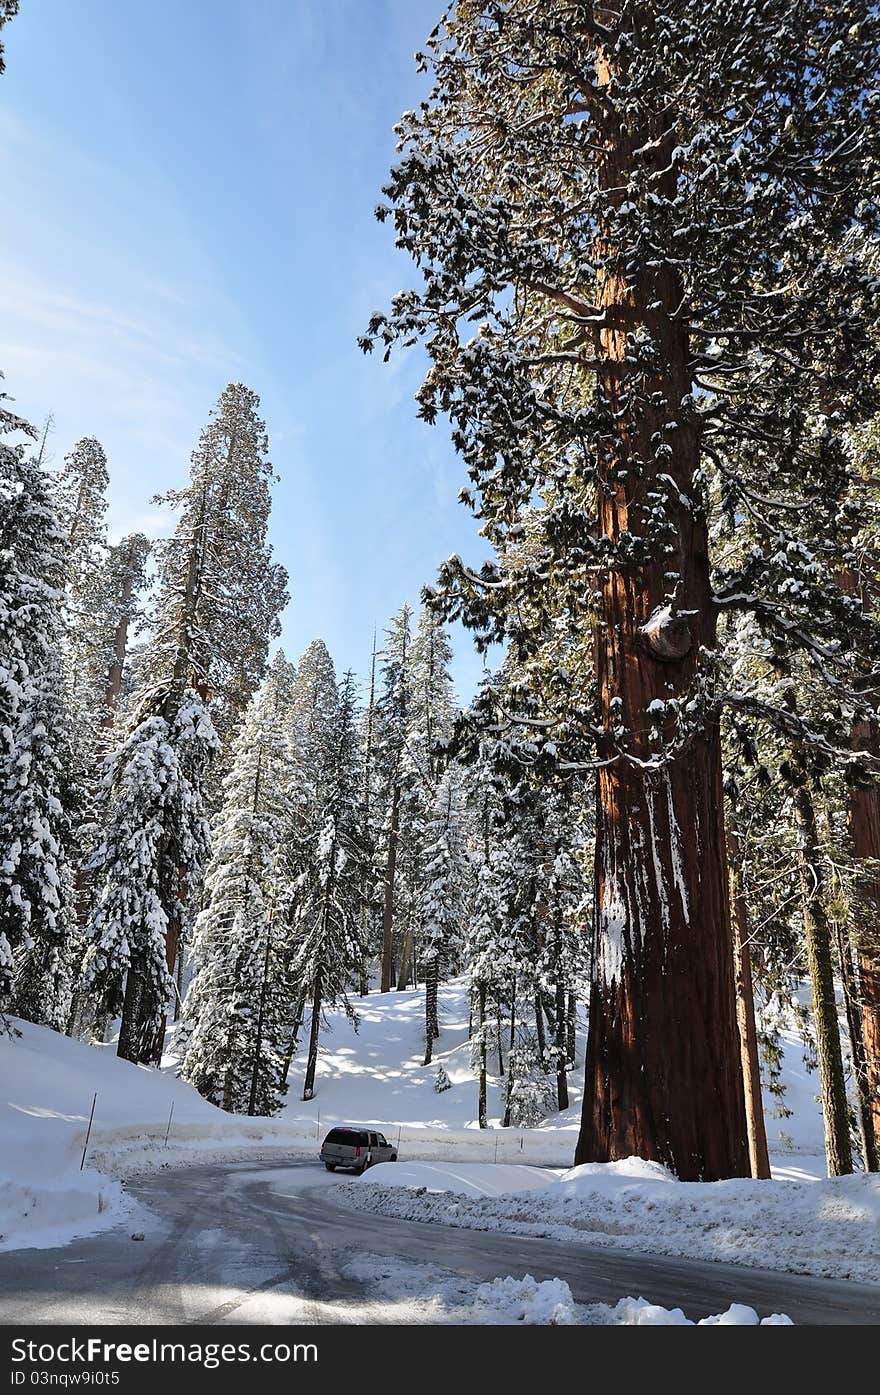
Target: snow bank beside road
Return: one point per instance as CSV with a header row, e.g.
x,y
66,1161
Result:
x,y
829,1228
47,1083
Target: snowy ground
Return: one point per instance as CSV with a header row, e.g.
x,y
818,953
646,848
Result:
x,y
47,1083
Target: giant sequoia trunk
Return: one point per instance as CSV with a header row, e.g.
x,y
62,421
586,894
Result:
x,y
663,1078
864,823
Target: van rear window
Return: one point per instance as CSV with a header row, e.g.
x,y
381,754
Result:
x,y
353,1137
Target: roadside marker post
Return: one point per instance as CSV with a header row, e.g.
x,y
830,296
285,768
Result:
x,y
170,1117
82,1161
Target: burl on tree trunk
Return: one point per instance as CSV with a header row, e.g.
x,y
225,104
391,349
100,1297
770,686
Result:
x,y
663,1076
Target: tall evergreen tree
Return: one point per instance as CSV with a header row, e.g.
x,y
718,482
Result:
x,y
148,866
394,770
444,895
328,949
37,805
220,593
635,207
217,606
234,1019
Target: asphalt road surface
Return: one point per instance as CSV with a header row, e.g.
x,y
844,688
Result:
x,y
262,1243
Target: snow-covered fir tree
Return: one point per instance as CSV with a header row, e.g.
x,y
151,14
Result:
x,y
218,584
446,885
37,807
148,866
235,1017
327,948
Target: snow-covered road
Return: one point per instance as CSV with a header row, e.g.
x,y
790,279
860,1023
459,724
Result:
x,y
256,1242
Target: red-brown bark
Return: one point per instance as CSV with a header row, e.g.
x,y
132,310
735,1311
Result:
x,y
663,1077
864,823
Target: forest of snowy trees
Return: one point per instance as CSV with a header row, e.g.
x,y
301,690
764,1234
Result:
x,y
649,293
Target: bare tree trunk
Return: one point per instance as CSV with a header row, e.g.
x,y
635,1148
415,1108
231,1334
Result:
x,y
130,1044
405,954
511,1061
857,1048
312,1061
294,1037
388,908
835,1109
561,1048
261,1015
759,1156
178,973
482,1106
662,1077
539,1030
432,1027
571,1028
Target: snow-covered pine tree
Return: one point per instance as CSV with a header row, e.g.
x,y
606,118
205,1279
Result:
x,y
148,867
38,798
444,895
328,949
636,208
369,874
218,585
80,497
115,609
217,607
235,1019
393,772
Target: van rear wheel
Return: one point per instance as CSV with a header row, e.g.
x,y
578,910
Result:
x,y
331,1167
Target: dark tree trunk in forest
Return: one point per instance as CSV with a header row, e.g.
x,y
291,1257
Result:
x,y
561,1044
130,1044
178,979
482,1106
571,1028
511,1060
539,1030
835,1109
314,1032
388,907
172,946
857,1049
759,1156
261,1015
294,1037
432,1026
663,1078
405,955
864,823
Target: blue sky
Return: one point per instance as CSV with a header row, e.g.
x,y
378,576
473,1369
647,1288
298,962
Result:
x,y
190,188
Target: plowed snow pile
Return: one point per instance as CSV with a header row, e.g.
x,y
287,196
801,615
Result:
x,y
831,1228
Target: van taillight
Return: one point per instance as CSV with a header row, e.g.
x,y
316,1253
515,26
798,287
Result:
x,y
357,1152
